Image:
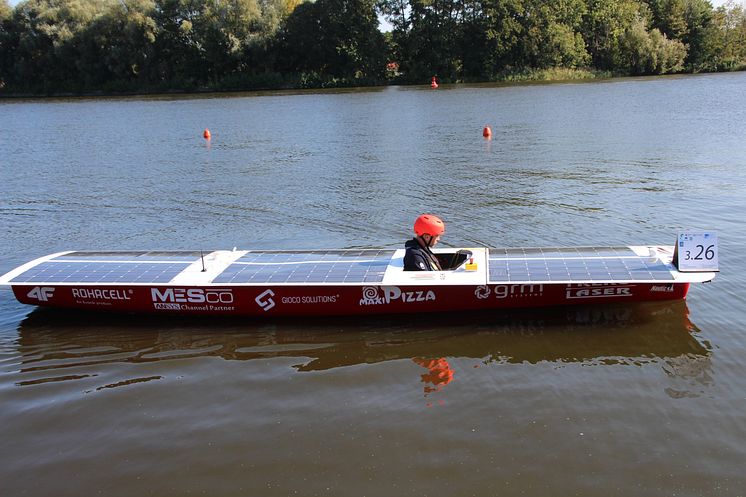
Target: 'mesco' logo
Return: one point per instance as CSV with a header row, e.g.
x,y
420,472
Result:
x,y
193,295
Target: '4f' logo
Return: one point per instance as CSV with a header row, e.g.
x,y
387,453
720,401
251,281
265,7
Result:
x,y
42,294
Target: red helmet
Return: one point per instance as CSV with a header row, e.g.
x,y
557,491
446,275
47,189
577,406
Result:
x,y
427,224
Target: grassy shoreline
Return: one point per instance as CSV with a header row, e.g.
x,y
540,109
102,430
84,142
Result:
x,y
528,76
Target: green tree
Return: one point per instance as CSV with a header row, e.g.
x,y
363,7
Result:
x,y
5,10
273,13
503,32
120,45
606,22
700,36
669,17
730,20
691,22
45,35
6,42
434,44
649,52
259,60
228,26
179,45
553,34
333,42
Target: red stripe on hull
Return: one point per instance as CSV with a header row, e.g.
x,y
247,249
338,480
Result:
x,y
338,300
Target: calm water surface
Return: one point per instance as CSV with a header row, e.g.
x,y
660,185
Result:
x,y
643,400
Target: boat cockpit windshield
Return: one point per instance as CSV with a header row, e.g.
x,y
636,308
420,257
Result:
x,y
453,260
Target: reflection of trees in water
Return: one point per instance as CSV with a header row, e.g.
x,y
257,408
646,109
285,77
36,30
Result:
x,y
50,341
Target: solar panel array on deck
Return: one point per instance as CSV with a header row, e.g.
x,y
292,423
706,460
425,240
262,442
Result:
x,y
318,266
574,264
109,267
346,266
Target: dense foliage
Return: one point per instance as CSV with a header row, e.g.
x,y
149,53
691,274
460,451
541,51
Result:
x,y
57,46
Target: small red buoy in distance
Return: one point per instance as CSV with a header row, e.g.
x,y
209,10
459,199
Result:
x,y
207,135
433,83
487,132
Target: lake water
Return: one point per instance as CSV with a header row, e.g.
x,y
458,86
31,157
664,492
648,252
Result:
x,y
643,400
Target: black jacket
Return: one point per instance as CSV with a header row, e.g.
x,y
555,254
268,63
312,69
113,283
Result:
x,y
417,258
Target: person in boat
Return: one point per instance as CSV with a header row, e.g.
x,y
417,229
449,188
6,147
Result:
x,y
419,256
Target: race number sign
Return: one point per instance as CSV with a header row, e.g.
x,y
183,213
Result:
x,y
697,252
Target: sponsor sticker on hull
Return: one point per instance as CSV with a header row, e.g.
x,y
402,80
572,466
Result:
x,y
509,291
387,294
193,299
662,288
268,299
265,300
41,293
597,290
100,296
310,299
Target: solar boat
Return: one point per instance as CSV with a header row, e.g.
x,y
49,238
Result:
x,y
348,282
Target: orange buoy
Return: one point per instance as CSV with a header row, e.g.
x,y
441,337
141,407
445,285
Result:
x,y
207,135
487,132
433,83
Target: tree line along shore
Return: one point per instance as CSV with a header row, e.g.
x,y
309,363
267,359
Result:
x,y
52,47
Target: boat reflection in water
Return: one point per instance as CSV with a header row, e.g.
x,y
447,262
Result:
x,y
52,341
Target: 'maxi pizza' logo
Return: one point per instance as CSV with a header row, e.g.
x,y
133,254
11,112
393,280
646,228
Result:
x,y
386,294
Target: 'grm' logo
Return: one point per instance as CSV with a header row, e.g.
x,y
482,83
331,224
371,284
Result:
x,y
42,294
264,299
482,292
